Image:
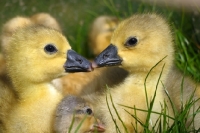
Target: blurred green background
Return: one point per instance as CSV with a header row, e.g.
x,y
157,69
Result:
x,y
76,16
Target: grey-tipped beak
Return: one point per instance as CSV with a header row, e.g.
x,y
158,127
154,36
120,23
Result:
x,y
77,63
108,57
98,127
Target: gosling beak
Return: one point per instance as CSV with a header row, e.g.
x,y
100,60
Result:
x,y
98,127
108,57
76,63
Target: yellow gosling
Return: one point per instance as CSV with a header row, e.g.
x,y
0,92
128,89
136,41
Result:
x,y
137,44
34,57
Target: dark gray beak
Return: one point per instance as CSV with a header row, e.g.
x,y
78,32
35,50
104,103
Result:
x,y
108,57
77,63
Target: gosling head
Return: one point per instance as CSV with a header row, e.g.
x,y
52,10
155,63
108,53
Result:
x,y
37,54
139,43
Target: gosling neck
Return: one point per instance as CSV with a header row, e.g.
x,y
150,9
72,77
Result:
x,y
34,90
151,76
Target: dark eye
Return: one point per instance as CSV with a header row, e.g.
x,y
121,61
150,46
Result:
x,y
132,41
89,111
50,49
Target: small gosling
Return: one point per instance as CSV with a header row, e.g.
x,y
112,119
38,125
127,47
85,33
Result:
x,y
137,45
73,107
34,57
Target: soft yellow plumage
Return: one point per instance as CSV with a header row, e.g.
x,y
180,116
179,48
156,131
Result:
x,y
138,44
46,20
7,95
31,71
34,57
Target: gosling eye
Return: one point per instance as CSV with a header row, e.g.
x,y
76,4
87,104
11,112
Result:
x,y
85,110
50,49
132,41
89,111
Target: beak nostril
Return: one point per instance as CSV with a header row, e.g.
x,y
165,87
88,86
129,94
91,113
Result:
x,y
77,63
105,56
79,60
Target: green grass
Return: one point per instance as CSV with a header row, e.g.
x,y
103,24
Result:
x,y
182,122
